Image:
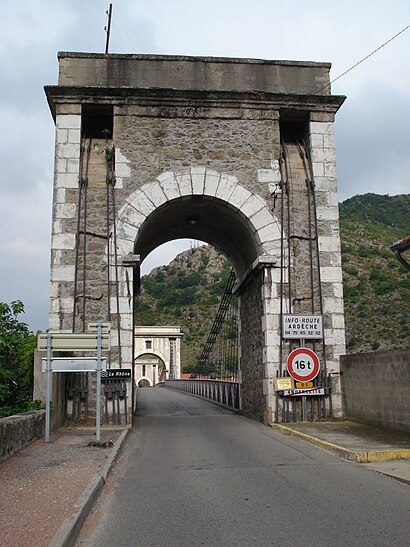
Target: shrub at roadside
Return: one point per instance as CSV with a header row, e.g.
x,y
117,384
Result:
x,y
17,346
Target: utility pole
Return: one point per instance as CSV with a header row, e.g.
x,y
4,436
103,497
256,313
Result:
x,y
108,28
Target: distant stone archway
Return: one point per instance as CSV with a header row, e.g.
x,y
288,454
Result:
x,y
144,382
151,366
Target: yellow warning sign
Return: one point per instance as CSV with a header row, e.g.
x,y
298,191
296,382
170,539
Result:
x,y
304,384
282,384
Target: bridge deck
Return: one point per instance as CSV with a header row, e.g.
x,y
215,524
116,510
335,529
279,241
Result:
x,y
196,474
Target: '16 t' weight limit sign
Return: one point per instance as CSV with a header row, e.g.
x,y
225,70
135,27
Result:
x,y
303,364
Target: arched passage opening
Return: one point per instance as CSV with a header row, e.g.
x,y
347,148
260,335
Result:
x,y
149,366
201,218
213,207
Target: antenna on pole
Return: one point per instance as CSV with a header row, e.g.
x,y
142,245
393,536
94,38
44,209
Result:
x,y
108,28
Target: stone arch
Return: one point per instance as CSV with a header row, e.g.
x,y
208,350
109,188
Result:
x,y
157,353
203,204
144,378
155,377
257,228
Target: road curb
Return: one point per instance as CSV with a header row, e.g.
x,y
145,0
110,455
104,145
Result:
x,y
351,455
69,530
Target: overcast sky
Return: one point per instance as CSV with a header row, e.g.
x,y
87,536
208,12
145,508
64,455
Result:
x,y
372,127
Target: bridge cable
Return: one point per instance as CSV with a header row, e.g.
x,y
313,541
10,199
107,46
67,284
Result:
x,y
217,324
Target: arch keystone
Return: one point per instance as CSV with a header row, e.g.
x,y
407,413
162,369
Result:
x,y
184,183
212,179
198,179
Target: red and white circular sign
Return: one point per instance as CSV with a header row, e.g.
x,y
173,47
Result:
x,y
303,364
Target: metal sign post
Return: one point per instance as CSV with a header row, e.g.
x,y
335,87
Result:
x,y
302,344
98,397
48,389
63,341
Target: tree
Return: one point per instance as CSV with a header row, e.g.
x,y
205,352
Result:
x,y
17,345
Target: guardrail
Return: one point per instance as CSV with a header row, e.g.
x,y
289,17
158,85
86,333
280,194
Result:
x,y
220,392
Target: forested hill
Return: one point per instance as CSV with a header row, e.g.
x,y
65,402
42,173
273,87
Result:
x,y
376,285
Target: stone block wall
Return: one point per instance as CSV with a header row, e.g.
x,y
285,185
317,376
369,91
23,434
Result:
x,y
324,171
193,73
251,373
19,430
376,388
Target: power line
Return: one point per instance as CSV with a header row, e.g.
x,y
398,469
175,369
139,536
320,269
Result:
x,y
364,59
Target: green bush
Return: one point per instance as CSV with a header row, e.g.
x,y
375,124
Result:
x,y
385,287
17,346
351,270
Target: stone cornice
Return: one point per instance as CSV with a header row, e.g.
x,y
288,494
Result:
x,y
196,100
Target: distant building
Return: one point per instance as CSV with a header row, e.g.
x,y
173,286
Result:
x,y
157,354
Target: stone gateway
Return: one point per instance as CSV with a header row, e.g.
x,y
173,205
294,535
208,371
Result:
x,y
238,153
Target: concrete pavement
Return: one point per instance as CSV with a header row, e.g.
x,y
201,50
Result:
x,y
47,489
352,441
383,450
193,474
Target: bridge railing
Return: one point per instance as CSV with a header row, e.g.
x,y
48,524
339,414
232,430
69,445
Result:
x,y
221,392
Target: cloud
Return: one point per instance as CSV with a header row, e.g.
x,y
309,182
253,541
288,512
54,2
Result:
x,y
372,136
165,253
24,254
26,150
372,127
41,24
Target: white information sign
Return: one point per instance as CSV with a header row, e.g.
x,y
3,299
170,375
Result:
x,y
302,392
68,341
302,326
73,364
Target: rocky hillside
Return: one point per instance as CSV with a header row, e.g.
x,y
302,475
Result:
x,y
376,285
186,293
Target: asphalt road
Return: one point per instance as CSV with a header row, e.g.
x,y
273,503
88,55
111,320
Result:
x,y
194,474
